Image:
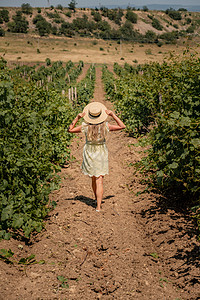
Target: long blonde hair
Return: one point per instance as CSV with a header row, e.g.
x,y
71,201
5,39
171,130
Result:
x,y
96,132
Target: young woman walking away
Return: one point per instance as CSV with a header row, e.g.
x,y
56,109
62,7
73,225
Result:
x,y
95,152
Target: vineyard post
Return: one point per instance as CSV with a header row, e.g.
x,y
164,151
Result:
x,y
72,95
160,102
75,93
69,94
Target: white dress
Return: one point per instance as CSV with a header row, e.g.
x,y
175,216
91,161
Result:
x,y
95,155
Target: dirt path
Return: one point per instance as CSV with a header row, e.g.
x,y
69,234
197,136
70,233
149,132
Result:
x,y
83,73
120,253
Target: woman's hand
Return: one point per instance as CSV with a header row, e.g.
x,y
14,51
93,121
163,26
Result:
x,y
109,112
81,115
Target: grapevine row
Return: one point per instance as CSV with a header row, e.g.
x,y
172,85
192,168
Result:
x,y
33,144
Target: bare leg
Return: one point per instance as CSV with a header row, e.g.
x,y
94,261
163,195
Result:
x,y
99,191
94,187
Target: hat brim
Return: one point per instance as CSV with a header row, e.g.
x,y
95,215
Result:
x,y
100,118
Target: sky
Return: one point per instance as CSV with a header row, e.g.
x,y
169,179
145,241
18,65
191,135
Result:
x,y
96,3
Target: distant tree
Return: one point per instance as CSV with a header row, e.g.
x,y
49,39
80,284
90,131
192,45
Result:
x,y
190,29
67,29
54,30
104,26
19,24
39,10
150,36
27,9
131,16
59,6
145,8
175,15
4,14
188,20
97,17
37,19
182,9
43,27
156,24
68,14
2,32
170,37
127,30
72,5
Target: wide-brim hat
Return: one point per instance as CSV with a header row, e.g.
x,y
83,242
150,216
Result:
x,y
95,113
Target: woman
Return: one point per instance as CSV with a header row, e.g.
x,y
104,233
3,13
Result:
x,y
95,152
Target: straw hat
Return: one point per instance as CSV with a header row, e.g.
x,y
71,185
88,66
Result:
x,y
95,113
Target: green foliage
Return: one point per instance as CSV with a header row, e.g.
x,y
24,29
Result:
x,y
43,27
113,15
170,37
97,17
2,32
48,61
175,15
182,9
127,32
190,29
19,24
63,281
33,140
150,36
4,15
72,5
131,16
145,8
59,6
7,257
27,9
165,98
85,88
156,24
68,14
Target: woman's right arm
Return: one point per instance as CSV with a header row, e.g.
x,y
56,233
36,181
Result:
x,y
120,125
72,127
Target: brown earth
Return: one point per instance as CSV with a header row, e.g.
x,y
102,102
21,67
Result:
x,y
138,247
22,49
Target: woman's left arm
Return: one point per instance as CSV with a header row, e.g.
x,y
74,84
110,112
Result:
x,y
72,127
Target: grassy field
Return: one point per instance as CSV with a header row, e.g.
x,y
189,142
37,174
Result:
x,y
30,48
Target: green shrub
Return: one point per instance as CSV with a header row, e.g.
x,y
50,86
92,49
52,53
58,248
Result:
x,y
97,17
156,24
131,16
2,32
48,61
4,15
175,15
26,9
19,24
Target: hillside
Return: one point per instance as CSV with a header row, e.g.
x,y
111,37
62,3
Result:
x,y
134,25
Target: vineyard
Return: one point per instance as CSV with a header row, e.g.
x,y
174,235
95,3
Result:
x,y
35,115
137,247
160,104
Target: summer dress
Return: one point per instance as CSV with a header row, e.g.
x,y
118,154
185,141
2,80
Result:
x,y
95,155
